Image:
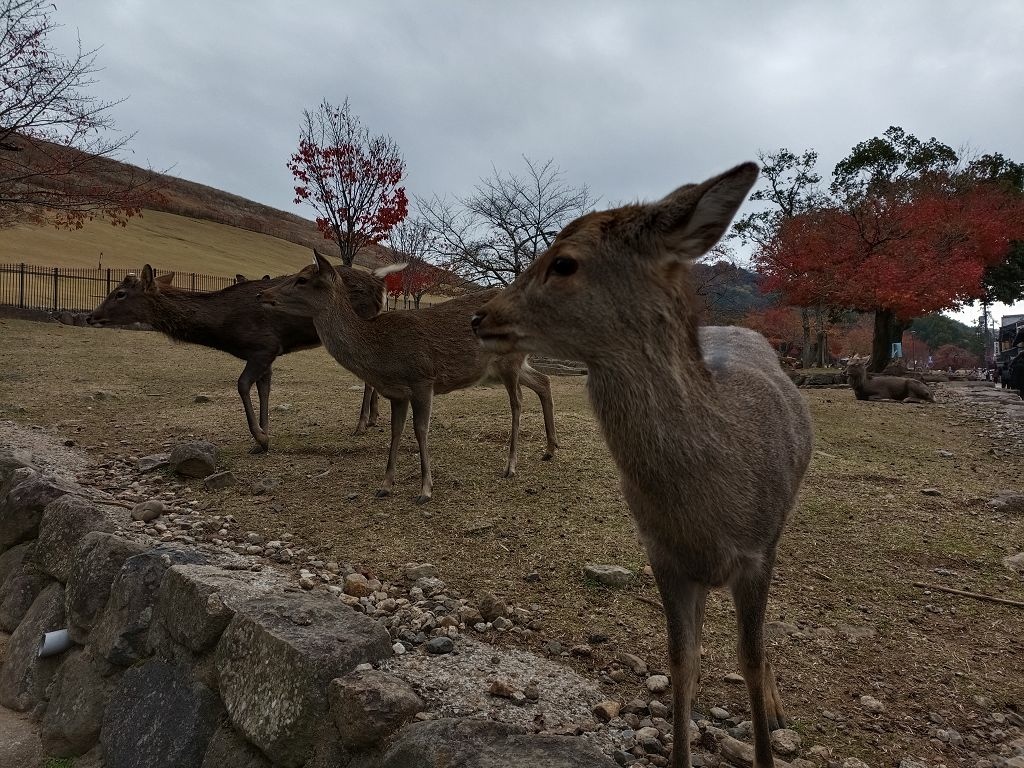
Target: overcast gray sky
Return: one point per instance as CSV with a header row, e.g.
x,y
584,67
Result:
x,y
632,99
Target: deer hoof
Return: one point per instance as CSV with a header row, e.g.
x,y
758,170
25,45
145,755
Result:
x,y
548,456
260,448
421,499
383,493
509,472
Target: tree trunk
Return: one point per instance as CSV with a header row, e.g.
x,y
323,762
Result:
x,y
887,330
819,337
345,246
806,354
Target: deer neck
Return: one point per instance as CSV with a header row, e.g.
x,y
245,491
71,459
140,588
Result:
x,y
182,316
345,335
659,409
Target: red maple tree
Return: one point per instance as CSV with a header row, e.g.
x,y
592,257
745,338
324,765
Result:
x,y
351,179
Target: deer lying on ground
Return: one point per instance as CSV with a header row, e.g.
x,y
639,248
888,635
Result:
x,y
884,387
409,357
233,321
710,436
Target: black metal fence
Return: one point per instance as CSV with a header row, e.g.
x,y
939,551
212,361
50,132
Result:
x,y
75,289
81,289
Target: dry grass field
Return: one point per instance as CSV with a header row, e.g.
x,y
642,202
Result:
x,y
167,241
863,531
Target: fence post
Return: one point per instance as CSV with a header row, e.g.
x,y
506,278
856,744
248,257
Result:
x,y
108,281
21,288
56,271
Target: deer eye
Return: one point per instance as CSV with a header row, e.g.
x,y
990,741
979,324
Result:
x,y
563,266
121,294
301,280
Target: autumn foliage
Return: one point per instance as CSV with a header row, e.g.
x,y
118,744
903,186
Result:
x,y
352,179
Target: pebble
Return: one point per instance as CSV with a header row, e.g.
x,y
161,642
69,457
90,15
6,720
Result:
x,y
718,713
658,684
734,677
606,710
608,575
439,645
786,741
872,705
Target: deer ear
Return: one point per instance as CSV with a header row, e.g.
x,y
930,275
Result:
x,y
323,266
148,281
166,280
693,218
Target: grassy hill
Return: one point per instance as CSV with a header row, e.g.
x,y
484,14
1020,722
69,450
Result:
x,y
185,226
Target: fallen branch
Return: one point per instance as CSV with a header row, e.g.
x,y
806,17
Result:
x,y
651,601
975,595
820,575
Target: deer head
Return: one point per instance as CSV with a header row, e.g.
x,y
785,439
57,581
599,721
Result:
x,y
307,292
130,301
614,276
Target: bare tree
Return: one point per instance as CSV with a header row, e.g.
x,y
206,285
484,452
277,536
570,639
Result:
x,y
349,177
54,135
413,242
494,234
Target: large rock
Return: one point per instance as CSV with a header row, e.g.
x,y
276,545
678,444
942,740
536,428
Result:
x,y
78,696
369,706
196,602
1015,563
195,459
11,560
98,559
18,593
484,744
122,627
228,749
158,716
22,508
276,659
64,523
9,462
1010,502
24,676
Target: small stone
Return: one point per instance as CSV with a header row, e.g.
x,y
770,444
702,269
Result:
x,y
219,480
872,705
417,571
439,645
398,648
853,762
263,485
718,713
491,607
531,691
928,492
734,678
147,511
501,688
785,741
945,454
307,582
150,463
658,684
658,709
606,710
608,575
357,585
502,624
283,407
636,665
202,399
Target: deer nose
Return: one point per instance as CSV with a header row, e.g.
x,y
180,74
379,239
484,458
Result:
x,y
477,319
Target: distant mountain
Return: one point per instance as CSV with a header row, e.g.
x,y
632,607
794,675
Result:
x,y
729,292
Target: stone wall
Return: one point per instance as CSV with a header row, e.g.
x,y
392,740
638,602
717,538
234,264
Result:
x,y
185,657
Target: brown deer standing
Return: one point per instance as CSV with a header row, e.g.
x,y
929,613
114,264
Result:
x,y
232,321
710,436
884,387
409,357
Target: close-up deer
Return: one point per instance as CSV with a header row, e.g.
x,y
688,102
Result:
x,y
709,435
409,357
898,388
232,320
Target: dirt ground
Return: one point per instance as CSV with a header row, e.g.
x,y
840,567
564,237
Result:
x,y
862,534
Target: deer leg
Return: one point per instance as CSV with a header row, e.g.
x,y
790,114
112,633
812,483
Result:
x,y
374,407
421,404
399,410
252,372
541,384
515,401
750,594
684,612
369,394
263,389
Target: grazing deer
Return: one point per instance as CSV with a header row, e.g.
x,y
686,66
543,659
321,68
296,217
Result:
x,y
710,436
232,321
409,357
884,387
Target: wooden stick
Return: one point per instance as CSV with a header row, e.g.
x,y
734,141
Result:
x,y
975,595
650,601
